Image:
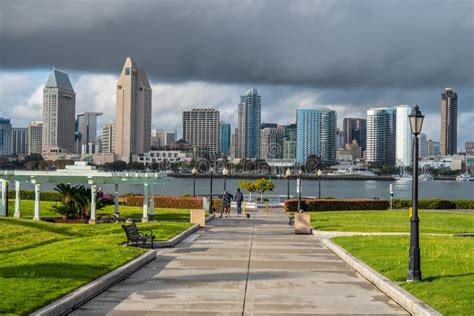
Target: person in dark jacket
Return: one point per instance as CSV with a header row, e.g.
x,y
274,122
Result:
x,y
225,203
239,197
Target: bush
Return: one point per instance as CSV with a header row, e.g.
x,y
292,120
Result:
x,y
320,205
165,201
30,195
435,204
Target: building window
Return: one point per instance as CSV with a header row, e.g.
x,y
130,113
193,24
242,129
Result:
x,y
127,71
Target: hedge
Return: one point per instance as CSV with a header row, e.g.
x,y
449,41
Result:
x,y
320,205
165,201
30,195
435,204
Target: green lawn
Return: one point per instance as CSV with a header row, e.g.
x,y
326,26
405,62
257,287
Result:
x,y
392,221
447,265
39,262
161,214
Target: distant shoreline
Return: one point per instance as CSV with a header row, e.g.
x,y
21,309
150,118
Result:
x,y
305,177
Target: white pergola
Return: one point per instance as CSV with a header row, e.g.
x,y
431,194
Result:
x,y
81,173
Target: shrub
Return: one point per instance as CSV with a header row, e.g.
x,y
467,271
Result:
x,y
464,204
320,205
30,195
435,204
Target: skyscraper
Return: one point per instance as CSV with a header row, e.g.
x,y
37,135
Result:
x,y
289,142
201,129
59,114
20,141
107,138
158,137
271,139
224,130
133,112
35,137
6,148
249,120
170,138
381,131
423,145
403,136
86,127
433,148
316,134
339,139
355,128
449,122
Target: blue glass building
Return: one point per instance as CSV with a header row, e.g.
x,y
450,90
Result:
x,y
224,137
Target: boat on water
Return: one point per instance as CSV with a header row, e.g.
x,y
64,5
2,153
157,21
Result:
x,y
404,177
464,178
425,177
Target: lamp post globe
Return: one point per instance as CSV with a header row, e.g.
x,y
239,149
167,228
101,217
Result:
x,y
414,259
319,173
194,172
288,175
225,172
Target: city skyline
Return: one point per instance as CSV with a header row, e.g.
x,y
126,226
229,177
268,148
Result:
x,y
329,70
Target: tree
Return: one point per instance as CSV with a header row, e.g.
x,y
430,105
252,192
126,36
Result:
x,y
249,187
75,201
263,185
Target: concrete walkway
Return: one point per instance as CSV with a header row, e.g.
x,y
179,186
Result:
x,y
242,266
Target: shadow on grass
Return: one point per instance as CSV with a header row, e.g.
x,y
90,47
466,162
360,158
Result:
x,y
434,278
51,228
80,272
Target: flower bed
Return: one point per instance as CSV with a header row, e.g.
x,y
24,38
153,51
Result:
x,y
164,201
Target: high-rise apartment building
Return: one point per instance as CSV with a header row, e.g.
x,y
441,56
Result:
x,y
403,136
381,131
6,148
249,120
423,145
316,134
86,128
339,139
133,112
170,138
35,137
201,129
271,142
158,138
355,128
107,138
20,141
59,114
225,138
289,142
433,148
469,148
449,122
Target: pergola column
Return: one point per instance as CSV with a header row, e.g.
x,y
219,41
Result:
x,y
3,209
93,198
36,216
116,200
152,201
17,200
145,203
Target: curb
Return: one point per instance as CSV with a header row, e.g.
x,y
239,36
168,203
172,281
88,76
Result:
x,y
81,295
177,239
412,304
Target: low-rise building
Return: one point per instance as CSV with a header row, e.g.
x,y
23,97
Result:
x,y
157,156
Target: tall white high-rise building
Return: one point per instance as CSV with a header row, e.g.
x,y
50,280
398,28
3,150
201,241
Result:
x,y
107,138
59,114
35,137
201,129
133,112
249,120
381,140
403,136
86,128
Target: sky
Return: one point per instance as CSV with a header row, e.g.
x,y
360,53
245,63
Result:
x,y
344,55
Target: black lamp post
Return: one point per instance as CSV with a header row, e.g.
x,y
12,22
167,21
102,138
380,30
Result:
x,y
319,176
225,172
194,172
288,175
211,211
299,190
414,266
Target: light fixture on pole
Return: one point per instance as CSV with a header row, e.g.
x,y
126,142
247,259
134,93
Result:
x,y
319,173
288,175
211,210
194,172
225,172
414,266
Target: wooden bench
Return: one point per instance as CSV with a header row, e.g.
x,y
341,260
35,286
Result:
x,y
134,236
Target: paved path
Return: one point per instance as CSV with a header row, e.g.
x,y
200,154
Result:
x,y
242,266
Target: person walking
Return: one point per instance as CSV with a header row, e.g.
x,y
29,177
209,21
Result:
x,y
225,203
239,197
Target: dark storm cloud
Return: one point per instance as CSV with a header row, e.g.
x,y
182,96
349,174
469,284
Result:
x,y
325,44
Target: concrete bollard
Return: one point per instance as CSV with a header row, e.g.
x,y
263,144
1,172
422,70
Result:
x,y
302,223
198,216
